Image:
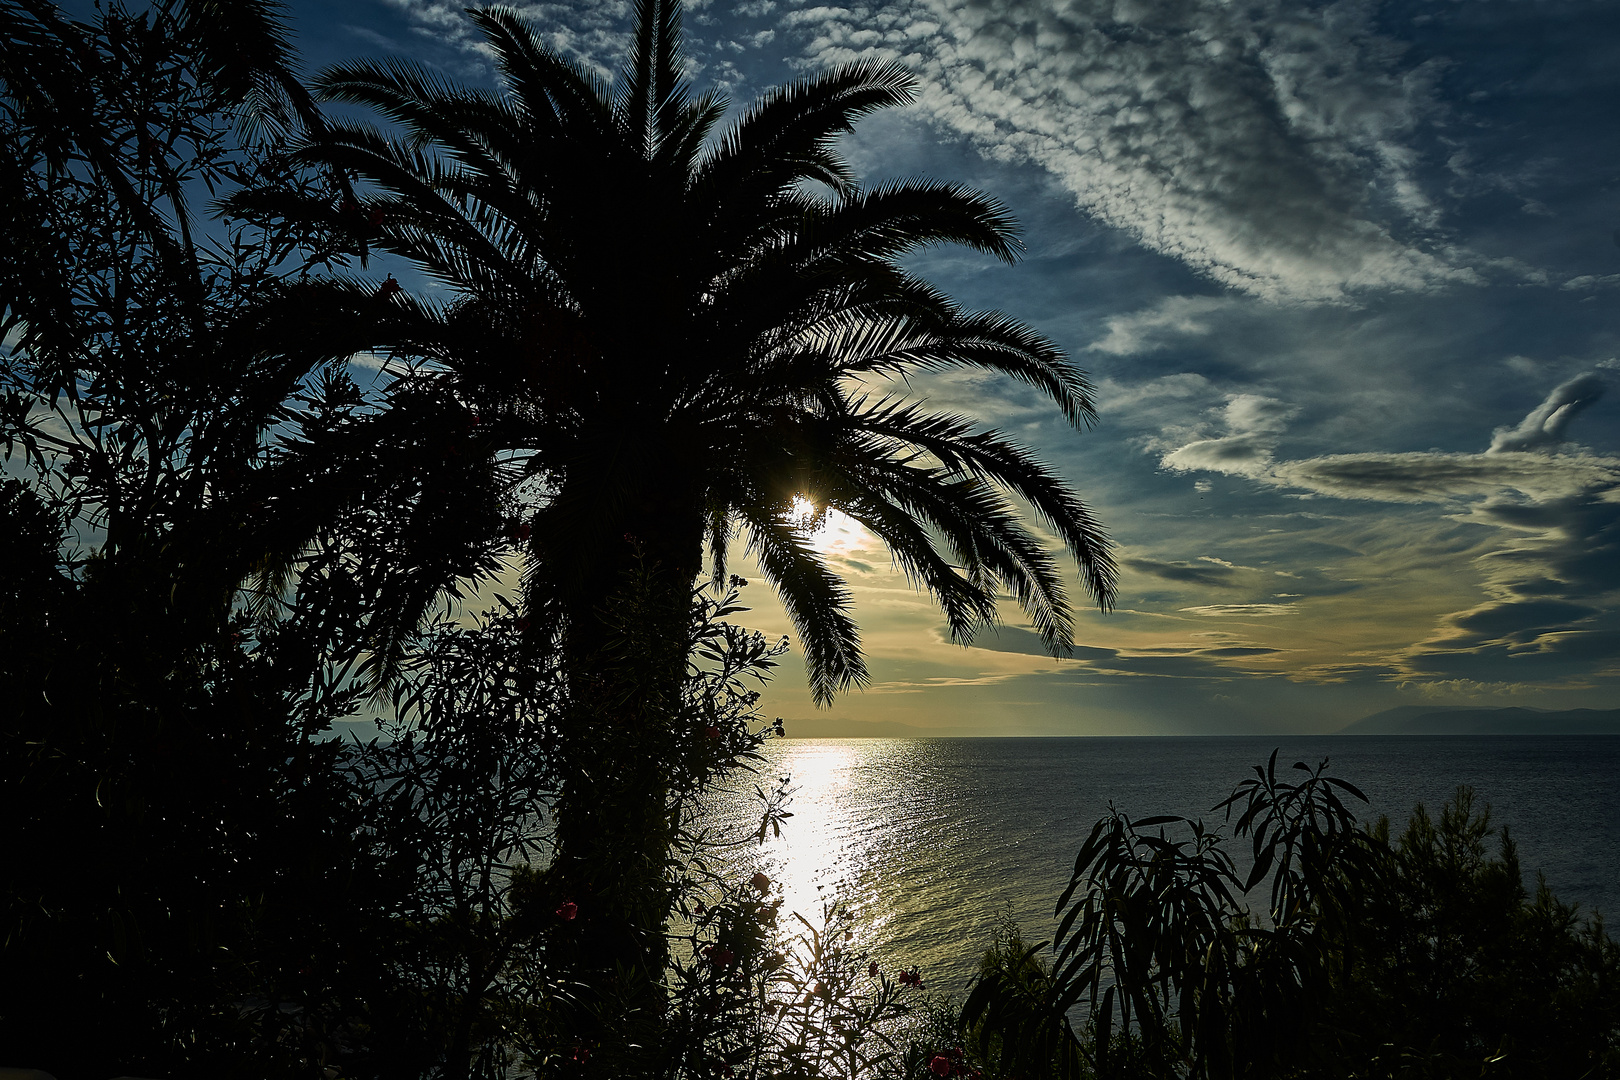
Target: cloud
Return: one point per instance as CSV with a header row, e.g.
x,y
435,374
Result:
x,y
1515,462
1170,405
1152,328
1254,424
1266,146
595,32
1242,611
1546,423
1173,661
1557,516
1591,281
1218,576
1520,619
1441,477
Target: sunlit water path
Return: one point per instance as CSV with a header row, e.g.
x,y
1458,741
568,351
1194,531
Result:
x,y
928,840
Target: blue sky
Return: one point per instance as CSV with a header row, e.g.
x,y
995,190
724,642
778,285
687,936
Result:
x,y
1345,276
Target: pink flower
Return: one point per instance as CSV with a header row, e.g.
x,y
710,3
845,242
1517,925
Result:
x,y
582,1054
760,882
872,969
567,910
711,732
719,956
940,1065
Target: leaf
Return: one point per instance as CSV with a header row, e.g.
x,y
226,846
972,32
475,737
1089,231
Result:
x,y
1262,866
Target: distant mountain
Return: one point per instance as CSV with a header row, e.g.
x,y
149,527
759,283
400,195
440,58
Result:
x,y
1461,720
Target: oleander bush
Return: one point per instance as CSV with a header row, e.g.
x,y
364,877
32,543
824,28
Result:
x,y
1338,950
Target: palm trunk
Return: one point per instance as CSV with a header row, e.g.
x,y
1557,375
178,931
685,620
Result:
x,y
625,646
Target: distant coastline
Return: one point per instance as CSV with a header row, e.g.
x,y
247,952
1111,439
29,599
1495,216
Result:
x,y
1462,720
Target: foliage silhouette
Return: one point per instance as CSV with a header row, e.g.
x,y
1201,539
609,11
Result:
x,y
167,818
1417,959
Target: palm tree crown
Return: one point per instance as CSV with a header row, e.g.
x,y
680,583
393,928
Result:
x,y
684,331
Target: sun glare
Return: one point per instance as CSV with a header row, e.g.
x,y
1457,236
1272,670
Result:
x,y
803,511
829,531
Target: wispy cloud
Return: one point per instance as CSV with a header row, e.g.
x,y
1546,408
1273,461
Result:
x,y
1268,147
1156,327
1218,576
1253,424
1242,611
1546,423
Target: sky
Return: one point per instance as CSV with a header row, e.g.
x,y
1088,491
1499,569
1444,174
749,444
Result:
x,y
1345,277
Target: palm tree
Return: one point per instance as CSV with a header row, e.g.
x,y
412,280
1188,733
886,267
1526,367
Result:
x,y
682,334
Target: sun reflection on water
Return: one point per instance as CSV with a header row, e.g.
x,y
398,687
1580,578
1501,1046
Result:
x,y
811,860
913,839
855,834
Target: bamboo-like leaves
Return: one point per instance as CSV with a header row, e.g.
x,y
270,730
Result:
x,y
1155,943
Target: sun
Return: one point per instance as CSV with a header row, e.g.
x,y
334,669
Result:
x,y
803,513
829,531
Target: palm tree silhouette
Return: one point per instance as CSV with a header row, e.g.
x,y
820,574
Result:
x,y
680,334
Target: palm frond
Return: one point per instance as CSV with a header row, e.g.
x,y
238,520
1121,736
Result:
x,y
787,136
816,600
989,455
559,94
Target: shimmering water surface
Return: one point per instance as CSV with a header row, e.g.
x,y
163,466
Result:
x,y
929,840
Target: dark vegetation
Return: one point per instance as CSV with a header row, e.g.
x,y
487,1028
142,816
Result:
x,y
1358,955
217,545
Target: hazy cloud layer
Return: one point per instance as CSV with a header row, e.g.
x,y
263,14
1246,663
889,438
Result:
x,y
1177,661
1267,145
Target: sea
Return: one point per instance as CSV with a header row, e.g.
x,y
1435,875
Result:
x,y
928,844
